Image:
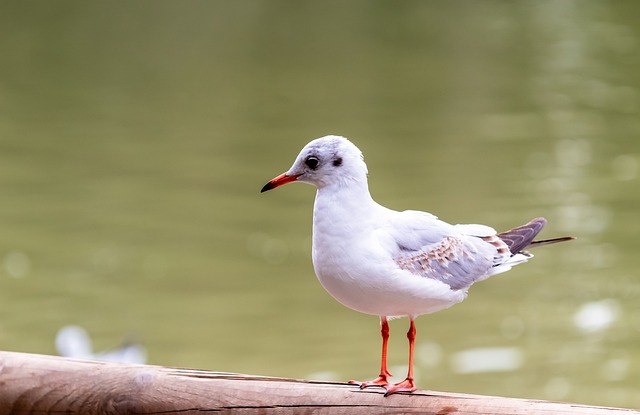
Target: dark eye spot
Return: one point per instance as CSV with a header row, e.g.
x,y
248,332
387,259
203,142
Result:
x,y
312,162
337,161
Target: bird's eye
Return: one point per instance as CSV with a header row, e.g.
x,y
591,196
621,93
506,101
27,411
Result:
x,y
312,162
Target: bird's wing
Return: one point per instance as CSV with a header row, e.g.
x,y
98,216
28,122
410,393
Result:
x,y
457,255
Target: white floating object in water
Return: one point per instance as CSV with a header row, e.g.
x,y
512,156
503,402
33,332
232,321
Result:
x,y
597,315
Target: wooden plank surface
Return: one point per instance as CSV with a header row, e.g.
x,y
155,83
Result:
x,y
39,384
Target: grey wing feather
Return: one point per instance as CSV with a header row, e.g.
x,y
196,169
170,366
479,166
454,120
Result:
x,y
437,250
450,261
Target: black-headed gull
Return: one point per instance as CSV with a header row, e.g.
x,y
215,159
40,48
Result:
x,y
75,342
393,264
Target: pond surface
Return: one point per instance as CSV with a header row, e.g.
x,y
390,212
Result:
x,y
135,137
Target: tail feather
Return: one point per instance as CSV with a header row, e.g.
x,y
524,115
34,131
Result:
x,y
517,239
543,242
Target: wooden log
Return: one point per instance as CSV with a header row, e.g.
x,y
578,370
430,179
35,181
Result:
x,y
31,384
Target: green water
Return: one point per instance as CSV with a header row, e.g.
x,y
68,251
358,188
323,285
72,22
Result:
x,y
135,137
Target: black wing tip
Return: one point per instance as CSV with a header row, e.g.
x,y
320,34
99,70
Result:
x,y
520,237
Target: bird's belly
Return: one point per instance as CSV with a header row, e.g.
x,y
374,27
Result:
x,y
392,293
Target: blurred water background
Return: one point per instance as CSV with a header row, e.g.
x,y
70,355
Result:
x,y
135,137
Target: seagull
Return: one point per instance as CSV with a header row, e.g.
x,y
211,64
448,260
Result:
x,y
388,263
74,342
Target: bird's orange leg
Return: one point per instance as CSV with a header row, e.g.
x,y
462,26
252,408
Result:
x,y
383,378
406,385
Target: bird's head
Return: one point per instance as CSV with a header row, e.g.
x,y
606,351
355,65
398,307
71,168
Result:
x,y
327,161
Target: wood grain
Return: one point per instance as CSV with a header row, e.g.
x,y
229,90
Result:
x,y
39,384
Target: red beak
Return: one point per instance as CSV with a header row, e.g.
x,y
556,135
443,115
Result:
x,y
279,181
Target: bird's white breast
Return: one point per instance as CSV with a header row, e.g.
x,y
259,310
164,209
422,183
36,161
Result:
x,y
353,260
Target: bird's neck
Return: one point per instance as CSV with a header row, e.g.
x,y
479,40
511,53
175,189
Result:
x,y
336,206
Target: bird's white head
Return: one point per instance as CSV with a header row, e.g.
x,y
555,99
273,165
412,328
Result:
x,y
327,161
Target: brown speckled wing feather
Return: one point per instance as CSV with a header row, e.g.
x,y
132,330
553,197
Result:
x,y
448,261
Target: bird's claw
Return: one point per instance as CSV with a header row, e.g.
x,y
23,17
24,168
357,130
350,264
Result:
x,y
381,381
406,385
